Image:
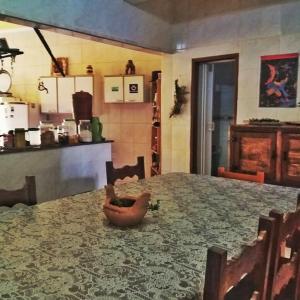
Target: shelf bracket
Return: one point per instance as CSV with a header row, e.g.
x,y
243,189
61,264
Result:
x,y
41,37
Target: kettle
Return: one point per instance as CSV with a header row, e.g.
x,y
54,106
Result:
x,y
96,129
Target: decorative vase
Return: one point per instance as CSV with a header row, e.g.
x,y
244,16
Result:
x,y
125,211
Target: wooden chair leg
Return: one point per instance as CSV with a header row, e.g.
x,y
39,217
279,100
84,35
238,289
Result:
x,y
215,266
297,275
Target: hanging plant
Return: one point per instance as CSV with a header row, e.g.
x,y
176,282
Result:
x,y
179,99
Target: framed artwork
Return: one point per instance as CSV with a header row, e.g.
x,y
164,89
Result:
x,y
278,80
63,62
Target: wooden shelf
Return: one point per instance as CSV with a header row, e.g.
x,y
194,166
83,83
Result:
x,y
156,131
154,170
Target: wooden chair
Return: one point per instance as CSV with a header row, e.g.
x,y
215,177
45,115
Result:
x,y
243,277
284,281
25,195
113,174
259,177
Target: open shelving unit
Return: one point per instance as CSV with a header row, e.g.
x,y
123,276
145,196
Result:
x,y
156,129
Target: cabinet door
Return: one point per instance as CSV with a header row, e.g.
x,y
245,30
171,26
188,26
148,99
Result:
x,y
48,96
254,151
113,89
65,90
290,167
134,88
84,83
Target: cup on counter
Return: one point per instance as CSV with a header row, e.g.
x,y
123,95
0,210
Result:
x,y
34,136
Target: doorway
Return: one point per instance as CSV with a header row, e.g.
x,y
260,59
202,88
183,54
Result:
x,y
214,102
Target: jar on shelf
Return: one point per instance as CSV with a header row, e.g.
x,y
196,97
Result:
x,y
19,138
85,131
34,135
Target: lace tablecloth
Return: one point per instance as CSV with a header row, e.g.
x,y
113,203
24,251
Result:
x,y
65,249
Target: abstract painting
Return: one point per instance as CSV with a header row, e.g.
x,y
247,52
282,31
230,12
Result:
x,y
278,80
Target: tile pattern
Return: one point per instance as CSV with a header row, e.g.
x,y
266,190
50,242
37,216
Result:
x,y
66,249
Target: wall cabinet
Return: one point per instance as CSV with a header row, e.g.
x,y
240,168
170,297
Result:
x,y
65,90
57,95
124,89
274,150
48,96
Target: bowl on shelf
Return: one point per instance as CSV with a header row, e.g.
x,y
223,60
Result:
x,y
126,210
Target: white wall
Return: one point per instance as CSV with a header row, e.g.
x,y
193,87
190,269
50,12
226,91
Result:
x,y
251,33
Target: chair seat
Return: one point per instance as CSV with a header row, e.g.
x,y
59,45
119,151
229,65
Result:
x,y
259,177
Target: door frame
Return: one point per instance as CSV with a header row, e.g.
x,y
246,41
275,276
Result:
x,y
194,103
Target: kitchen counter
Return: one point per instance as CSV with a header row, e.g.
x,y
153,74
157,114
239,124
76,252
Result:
x,y
49,147
60,171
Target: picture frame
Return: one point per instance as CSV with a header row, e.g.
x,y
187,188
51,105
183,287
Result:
x,y
64,64
278,80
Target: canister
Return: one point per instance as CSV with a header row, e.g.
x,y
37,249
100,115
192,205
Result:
x,y
19,138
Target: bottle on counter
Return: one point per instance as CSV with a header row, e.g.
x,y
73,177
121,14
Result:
x,y
85,131
96,129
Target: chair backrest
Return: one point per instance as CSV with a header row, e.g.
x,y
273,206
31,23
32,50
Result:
x,y
259,177
113,174
243,277
25,195
284,280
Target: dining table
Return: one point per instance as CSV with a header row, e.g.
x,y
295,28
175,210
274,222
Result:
x,y
67,249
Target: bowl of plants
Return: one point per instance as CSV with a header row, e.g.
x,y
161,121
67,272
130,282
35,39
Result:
x,y
126,210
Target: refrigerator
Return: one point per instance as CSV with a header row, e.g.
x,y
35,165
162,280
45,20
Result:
x,y
13,115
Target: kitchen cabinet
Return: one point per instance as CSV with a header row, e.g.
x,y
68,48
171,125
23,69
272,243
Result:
x,y
134,88
113,89
275,150
124,89
57,95
65,90
156,129
48,96
84,83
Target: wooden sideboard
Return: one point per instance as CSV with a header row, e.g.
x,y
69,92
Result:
x,y
274,150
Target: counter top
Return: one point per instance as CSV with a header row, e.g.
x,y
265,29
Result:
x,y
49,147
